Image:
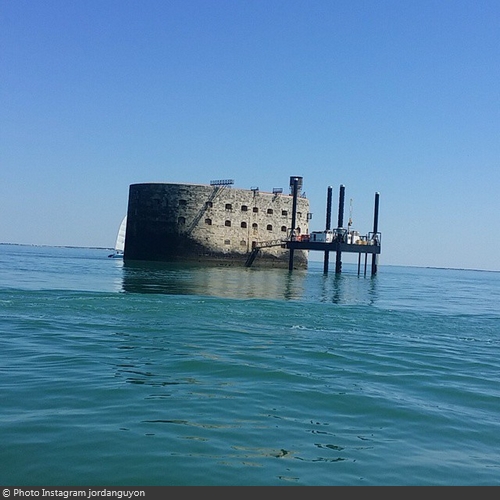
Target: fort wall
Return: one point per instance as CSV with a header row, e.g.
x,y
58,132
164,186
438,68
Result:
x,y
197,222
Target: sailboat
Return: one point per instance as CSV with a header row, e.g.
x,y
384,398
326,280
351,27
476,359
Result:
x,y
120,241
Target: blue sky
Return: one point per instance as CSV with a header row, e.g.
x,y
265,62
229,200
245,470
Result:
x,y
397,97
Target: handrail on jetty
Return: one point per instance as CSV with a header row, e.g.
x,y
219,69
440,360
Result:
x,y
263,244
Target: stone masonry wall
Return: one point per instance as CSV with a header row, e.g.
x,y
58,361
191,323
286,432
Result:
x,y
218,221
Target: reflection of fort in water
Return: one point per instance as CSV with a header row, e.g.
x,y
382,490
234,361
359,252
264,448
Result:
x,y
227,282
247,283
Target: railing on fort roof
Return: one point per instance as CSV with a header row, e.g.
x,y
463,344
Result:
x,y
222,182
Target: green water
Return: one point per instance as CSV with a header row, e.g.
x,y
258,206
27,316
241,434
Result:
x,y
158,375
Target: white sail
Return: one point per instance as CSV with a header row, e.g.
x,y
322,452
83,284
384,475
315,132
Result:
x,y
120,239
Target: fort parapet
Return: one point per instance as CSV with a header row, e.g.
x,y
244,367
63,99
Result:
x,y
214,223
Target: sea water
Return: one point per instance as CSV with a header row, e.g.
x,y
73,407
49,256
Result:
x,y
153,374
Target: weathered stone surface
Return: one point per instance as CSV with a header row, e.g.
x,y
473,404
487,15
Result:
x,y
212,224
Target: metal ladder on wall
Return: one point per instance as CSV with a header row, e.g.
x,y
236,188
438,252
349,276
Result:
x,y
217,190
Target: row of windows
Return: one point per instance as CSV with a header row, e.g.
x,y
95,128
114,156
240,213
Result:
x,y
227,223
255,210
244,208
243,243
243,225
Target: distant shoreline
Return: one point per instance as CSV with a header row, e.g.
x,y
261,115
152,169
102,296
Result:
x,y
380,265
55,246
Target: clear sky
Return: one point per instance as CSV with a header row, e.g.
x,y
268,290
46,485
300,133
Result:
x,y
398,97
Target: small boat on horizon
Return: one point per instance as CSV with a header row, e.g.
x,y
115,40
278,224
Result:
x,y
120,241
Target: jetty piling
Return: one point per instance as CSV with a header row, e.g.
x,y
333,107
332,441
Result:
x,y
375,232
328,225
338,259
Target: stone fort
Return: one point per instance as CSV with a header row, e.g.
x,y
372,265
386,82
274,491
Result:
x,y
213,223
